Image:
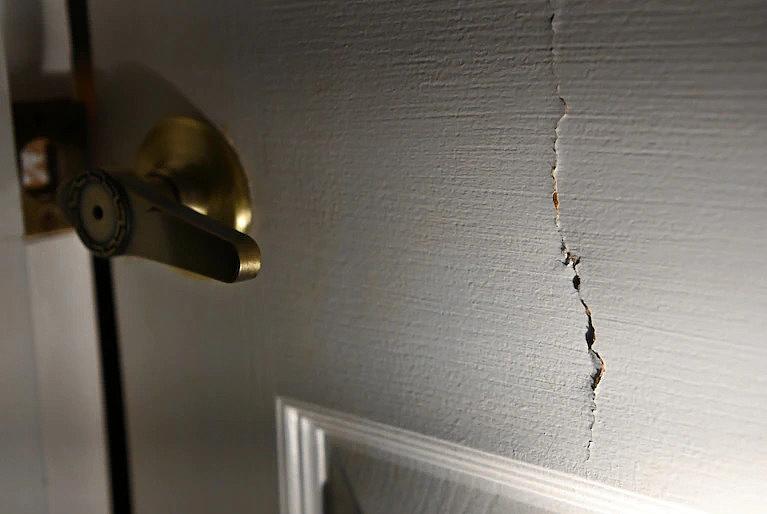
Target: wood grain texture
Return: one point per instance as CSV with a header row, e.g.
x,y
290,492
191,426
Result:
x,y
662,189
383,487
394,470
400,158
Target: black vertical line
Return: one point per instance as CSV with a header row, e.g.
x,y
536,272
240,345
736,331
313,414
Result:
x,y
81,56
111,366
111,372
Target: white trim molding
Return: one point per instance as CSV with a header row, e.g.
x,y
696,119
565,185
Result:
x,y
303,431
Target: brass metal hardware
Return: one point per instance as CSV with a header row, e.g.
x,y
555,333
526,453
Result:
x,y
186,204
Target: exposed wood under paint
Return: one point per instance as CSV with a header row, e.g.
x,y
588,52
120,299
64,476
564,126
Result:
x,y
662,189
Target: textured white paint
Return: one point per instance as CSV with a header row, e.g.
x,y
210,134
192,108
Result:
x,y
392,470
400,155
400,161
662,187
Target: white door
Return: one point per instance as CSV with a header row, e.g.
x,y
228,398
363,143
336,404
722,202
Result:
x,y
52,441
526,229
22,487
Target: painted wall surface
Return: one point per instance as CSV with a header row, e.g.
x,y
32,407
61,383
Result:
x,y
69,385
21,458
52,451
401,157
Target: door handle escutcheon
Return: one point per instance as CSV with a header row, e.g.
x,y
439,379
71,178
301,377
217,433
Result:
x,y
186,204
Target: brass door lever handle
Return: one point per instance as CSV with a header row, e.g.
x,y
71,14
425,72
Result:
x,y
184,205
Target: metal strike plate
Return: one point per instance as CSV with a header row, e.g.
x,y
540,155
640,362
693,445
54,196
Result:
x,y
50,147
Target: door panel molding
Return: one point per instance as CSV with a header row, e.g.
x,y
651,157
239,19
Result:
x,y
303,431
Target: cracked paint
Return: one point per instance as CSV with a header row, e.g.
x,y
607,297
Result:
x,y
569,258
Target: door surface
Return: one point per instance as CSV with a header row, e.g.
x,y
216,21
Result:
x,y
22,487
52,442
477,225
